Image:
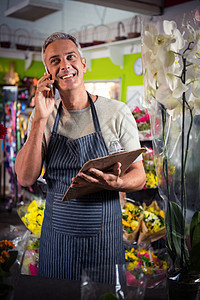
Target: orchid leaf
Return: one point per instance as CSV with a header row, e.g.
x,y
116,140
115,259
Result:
x,y
194,257
175,232
195,229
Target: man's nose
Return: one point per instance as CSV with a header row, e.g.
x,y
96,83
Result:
x,y
65,64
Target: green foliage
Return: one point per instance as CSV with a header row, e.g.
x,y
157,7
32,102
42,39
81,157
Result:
x,y
195,242
175,212
108,296
195,229
190,259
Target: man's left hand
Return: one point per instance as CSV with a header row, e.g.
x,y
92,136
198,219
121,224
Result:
x,y
105,180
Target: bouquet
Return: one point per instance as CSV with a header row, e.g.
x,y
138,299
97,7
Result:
x,y
150,169
153,264
31,257
32,215
144,224
131,216
152,224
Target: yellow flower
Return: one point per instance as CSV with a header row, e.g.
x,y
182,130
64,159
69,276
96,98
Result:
x,y
32,207
151,180
134,224
162,214
34,216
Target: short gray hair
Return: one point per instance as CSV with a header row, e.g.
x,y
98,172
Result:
x,y
60,36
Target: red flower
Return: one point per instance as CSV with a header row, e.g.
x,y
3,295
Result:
x,y
3,131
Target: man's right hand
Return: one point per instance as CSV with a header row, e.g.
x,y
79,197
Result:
x,y
44,97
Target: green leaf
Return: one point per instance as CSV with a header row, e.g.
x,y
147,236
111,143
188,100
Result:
x,y
194,229
194,258
174,210
108,296
196,236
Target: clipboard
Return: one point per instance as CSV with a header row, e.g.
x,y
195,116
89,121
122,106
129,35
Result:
x,y
126,158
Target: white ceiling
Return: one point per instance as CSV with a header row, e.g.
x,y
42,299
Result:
x,y
74,16
79,15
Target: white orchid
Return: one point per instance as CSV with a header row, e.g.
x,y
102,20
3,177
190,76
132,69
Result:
x,y
177,40
193,56
194,103
170,98
192,73
163,55
172,79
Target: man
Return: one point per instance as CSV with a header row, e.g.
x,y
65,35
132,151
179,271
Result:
x,y
87,232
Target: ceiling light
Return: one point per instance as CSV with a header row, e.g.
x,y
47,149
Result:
x,y
32,10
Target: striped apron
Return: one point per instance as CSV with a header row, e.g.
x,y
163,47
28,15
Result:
x,y
84,233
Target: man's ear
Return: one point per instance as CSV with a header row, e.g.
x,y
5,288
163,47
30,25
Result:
x,y
84,65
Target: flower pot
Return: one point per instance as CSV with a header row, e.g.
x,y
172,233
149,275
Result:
x,y
183,290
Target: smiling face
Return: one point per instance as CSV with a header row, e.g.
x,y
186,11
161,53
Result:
x,y
64,63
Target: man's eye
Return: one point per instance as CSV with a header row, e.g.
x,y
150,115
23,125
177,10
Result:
x,y
71,57
55,60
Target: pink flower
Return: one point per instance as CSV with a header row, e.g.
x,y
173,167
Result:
x,y
130,278
137,109
147,255
143,119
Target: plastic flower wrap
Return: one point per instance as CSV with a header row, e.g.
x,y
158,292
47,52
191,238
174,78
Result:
x,y
144,224
152,263
150,169
32,215
31,257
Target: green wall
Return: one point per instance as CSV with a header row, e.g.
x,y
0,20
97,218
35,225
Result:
x,y
102,68
35,70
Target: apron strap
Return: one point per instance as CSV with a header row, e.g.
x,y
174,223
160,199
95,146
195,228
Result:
x,y
94,116
55,126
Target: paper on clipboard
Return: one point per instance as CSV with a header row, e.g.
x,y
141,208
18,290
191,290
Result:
x,y
126,158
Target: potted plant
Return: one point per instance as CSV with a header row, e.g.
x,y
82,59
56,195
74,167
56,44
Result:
x,y
8,255
171,61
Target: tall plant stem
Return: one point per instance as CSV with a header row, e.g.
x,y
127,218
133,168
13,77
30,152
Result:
x,y
165,162
184,155
183,194
165,172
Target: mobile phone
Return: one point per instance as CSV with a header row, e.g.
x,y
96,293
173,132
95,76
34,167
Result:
x,y
52,85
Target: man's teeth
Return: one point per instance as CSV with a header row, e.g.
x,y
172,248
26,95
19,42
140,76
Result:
x,y
67,76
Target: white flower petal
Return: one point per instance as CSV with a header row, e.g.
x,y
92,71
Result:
x,y
164,96
180,89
